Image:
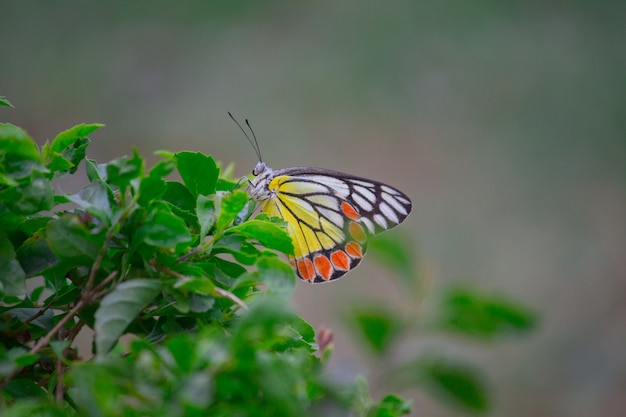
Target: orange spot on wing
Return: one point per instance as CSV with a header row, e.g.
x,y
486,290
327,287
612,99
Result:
x,y
323,266
305,269
340,260
357,232
354,249
349,211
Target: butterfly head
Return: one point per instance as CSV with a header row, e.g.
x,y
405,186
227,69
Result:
x,y
259,169
258,186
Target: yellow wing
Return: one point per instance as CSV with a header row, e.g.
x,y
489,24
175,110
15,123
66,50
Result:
x,y
329,217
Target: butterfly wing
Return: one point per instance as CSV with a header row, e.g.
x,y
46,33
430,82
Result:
x,y
330,216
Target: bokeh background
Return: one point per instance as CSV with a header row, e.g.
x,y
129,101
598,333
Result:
x,y
504,121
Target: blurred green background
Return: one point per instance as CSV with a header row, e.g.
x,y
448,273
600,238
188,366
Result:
x,y
504,121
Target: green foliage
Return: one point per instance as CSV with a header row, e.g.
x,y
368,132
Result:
x,y
459,312
177,267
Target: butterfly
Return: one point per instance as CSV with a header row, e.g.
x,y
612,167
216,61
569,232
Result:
x,y
330,215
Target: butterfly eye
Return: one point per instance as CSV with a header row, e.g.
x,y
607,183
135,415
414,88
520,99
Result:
x,y
259,168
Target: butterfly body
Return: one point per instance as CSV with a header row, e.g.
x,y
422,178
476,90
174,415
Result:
x,y
330,215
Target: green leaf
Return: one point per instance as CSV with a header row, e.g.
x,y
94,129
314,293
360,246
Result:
x,y
96,198
153,186
179,197
232,204
70,239
162,229
238,246
455,383
122,171
120,307
198,285
12,276
17,145
268,234
207,212
35,254
390,406
471,313
22,388
68,148
71,136
35,194
95,171
199,172
279,276
377,326
5,102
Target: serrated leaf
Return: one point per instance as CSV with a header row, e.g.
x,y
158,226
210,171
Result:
x,y
69,137
268,234
198,171
471,313
120,307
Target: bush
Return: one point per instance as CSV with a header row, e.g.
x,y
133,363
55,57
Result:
x,y
199,290
177,265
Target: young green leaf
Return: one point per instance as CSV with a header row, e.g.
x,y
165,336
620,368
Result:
x,y
120,307
69,137
68,148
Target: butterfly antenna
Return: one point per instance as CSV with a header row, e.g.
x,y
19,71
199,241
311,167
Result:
x,y
255,144
255,141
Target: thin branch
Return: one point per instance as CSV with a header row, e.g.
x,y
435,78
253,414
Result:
x,y
85,299
219,291
39,313
107,239
59,391
232,297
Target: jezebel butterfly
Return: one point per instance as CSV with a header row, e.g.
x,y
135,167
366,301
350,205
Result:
x,y
330,215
